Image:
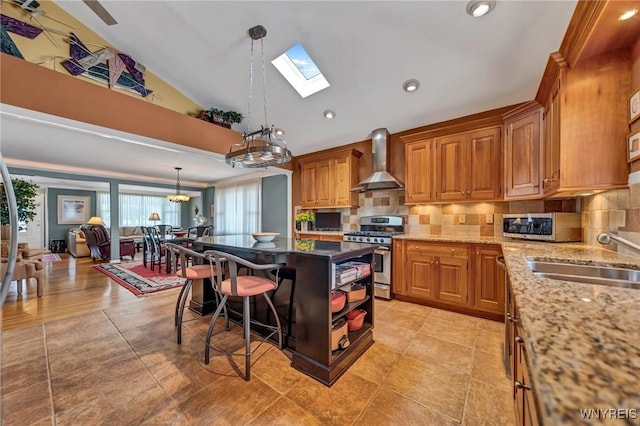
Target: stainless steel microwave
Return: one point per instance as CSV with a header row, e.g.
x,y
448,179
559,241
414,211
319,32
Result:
x,y
556,227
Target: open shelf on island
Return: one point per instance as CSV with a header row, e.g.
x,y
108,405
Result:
x,y
348,307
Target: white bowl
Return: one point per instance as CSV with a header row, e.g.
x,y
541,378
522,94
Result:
x,y
264,237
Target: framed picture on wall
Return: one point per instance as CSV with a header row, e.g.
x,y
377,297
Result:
x,y
73,210
634,106
634,146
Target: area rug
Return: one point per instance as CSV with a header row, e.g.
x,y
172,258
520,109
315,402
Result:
x,y
51,257
139,280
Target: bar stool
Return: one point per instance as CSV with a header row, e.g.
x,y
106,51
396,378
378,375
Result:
x,y
245,286
180,256
287,273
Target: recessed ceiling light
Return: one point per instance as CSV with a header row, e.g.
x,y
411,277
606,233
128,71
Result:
x,y
329,114
411,85
628,15
278,132
480,8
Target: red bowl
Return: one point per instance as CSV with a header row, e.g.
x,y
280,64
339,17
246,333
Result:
x,y
338,300
356,319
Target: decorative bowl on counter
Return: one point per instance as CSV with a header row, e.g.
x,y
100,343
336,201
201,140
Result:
x,y
264,237
179,233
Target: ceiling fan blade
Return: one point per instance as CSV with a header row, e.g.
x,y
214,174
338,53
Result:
x,y
99,10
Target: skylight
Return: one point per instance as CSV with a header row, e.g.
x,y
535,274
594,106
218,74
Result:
x,y
300,71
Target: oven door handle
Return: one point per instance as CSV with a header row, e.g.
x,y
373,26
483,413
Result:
x,y
382,248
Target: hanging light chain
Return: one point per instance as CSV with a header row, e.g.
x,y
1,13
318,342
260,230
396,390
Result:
x,y
250,88
264,85
178,182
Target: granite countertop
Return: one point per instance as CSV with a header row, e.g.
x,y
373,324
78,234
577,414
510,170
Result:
x,y
582,340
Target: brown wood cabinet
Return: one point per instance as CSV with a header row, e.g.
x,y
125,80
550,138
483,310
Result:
x,y
463,277
327,179
586,127
419,171
436,272
468,166
321,237
462,166
525,407
523,140
489,283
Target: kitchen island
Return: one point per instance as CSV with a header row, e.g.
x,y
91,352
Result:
x,y
315,263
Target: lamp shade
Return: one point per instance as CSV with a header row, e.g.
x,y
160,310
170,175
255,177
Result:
x,y
95,220
154,216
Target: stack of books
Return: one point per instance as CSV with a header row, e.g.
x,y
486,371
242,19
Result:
x,y
347,272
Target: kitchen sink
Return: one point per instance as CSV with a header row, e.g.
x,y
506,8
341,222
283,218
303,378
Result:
x,y
589,274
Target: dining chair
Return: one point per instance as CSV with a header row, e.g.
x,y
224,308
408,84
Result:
x,y
156,253
200,231
164,229
245,286
186,266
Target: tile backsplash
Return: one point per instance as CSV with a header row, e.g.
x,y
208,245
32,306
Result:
x,y
616,211
468,219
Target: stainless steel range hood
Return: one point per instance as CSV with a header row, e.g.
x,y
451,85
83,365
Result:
x,y
380,178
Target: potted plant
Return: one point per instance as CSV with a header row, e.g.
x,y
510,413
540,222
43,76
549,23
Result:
x,y
26,202
304,220
220,117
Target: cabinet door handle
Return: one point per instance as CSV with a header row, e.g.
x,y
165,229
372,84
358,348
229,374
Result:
x,y
468,192
519,340
519,385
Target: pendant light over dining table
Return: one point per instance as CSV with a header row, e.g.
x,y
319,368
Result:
x,y
262,147
177,197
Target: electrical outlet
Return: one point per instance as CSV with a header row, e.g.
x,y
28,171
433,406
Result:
x,y
462,218
489,218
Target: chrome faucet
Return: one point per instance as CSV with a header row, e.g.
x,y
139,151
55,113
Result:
x,y
606,237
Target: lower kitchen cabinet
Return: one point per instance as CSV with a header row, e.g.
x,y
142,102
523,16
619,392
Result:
x,y
321,237
457,276
488,279
436,272
524,403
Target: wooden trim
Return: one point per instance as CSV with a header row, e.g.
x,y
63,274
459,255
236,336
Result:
x,y
523,109
492,118
551,72
582,24
328,154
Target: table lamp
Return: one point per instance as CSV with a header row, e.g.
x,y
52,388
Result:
x,y
154,217
95,220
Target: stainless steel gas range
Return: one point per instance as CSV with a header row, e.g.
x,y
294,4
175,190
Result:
x,y
378,231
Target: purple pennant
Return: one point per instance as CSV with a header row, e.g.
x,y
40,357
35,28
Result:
x,y
19,27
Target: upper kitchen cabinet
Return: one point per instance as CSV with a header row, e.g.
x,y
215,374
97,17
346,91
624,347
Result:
x,y
523,139
327,179
585,124
458,160
468,166
418,177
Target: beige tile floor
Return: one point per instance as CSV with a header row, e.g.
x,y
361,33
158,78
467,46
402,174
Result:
x,y
121,366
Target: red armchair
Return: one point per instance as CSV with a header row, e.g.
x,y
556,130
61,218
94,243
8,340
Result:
x,y
99,243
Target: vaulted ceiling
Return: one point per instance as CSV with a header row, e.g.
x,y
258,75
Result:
x,y
366,50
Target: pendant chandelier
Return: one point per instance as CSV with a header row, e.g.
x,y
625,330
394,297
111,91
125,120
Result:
x,y
177,197
262,147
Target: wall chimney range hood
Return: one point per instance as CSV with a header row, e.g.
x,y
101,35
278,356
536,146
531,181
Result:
x,y
380,178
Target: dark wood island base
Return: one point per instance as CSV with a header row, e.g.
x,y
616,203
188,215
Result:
x,y
317,264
